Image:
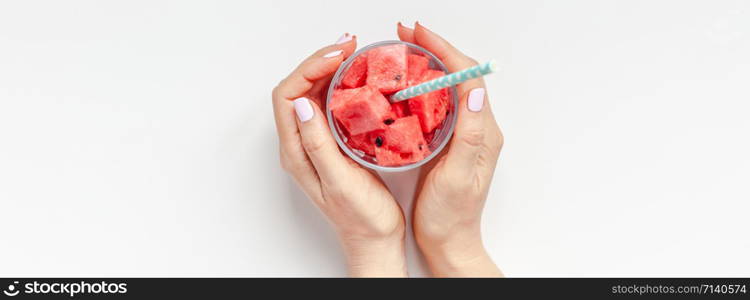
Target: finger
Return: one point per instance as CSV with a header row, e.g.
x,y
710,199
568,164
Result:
x,y
318,142
323,83
319,91
405,34
321,64
347,42
292,154
470,133
301,169
453,59
301,80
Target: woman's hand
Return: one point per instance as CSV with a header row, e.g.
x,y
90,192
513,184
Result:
x,y
365,215
448,210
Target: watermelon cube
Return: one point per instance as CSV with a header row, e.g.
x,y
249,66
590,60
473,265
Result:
x,y
361,111
339,97
429,136
431,108
364,142
386,68
418,64
404,135
390,158
401,143
400,109
356,75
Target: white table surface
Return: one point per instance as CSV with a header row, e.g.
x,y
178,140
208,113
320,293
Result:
x,y
137,137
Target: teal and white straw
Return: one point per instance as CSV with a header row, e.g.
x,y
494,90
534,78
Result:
x,y
445,81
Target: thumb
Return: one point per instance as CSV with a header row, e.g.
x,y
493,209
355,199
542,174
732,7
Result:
x,y
469,135
317,140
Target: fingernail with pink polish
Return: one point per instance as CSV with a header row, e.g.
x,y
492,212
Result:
x,y
333,54
344,38
304,109
476,99
403,24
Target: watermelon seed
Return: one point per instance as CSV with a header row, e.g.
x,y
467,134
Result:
x,y
398,77
379,141
388,121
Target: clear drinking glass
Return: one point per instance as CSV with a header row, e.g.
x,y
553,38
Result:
x,y
442,134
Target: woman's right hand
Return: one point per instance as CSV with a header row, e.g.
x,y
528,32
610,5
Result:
x,y
448,210
365,215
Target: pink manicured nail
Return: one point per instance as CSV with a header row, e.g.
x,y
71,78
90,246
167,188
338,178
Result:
x,y
344,38
304,109
333,54
476,99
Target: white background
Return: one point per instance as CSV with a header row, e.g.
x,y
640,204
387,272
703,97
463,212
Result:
x,y
137,137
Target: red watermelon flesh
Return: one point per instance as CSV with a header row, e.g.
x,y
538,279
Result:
x,y
362,111
431,108
356,75
400,109
339,97
418,64
429,136
401,143
388,158
404,135
364,142
386,68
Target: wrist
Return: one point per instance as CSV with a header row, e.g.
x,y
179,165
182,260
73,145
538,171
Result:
x,y
461,254
375,257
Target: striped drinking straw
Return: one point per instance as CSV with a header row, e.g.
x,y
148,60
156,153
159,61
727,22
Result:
x,y
445,81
